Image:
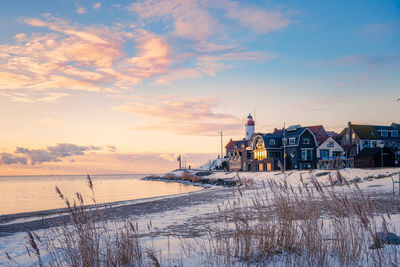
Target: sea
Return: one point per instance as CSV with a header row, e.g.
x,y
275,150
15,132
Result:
x,y
20,194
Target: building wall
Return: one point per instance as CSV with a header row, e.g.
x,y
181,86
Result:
x,y
324,146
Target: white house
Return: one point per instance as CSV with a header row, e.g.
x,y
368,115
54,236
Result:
x,y
329,149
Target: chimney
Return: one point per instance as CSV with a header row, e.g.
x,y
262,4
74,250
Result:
x,y
350,133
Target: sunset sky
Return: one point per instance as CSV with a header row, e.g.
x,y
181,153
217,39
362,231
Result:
x,y
124,87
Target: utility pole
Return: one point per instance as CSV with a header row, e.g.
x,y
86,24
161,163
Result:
x,y
284,148
180,161
222,153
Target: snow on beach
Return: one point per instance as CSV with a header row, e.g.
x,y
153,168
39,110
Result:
x,y
179,219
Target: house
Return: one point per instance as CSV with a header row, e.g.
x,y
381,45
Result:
x,y
236,150
363,136
330,154
374,138
263,153
389,135
300,146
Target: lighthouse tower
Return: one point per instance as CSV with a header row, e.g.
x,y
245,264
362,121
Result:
x,y
249,127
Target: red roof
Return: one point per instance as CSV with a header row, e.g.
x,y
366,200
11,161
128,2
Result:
x,y
319,132
231,144
250,122
315,129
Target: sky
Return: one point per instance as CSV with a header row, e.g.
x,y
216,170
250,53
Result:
x,y
104,87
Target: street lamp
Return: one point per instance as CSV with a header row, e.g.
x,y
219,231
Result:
x,y
381,145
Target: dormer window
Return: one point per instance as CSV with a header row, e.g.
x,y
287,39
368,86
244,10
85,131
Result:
x,y
306,141
271,142
384,133
292,140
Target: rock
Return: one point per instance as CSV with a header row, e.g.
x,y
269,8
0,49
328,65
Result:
x,y
388,238
385,238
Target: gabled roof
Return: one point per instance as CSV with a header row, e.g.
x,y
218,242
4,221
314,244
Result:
x,y
267,141
231,144
366,132
319,132
296,134
237,143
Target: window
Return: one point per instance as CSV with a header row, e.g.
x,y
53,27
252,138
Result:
x,y
336,153
292,140
306,154
372,133
271,142
330,144
306,141
260,154
324,153
384,133
354,136
395,133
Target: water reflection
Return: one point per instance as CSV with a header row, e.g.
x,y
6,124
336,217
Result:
x,y
34,193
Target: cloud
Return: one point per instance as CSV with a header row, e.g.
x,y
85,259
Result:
x,y
96,5
111,148
24,155
254,18
81,10
7,158
183,116
168,156
197,40
152,56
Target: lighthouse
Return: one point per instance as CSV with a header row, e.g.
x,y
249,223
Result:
x,y
249,127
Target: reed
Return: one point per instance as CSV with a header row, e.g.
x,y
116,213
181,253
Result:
x,y
311,225
89,239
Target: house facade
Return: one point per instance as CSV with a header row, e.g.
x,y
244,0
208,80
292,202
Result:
x,y
313,147
300,148
263,153
373,139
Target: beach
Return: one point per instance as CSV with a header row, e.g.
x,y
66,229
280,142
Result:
x,y
189,216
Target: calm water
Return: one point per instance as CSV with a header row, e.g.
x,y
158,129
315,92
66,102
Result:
x,y
33,193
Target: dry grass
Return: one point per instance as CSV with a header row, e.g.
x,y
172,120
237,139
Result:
x,y
89,240
277,224
310,225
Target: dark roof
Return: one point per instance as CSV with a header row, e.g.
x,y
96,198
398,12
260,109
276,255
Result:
x,y
334,135
366,131
296,134
237,143
343,133
267,141
396,125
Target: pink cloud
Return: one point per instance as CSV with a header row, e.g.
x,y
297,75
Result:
x,y
183,116
254,18
94,58
153,56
